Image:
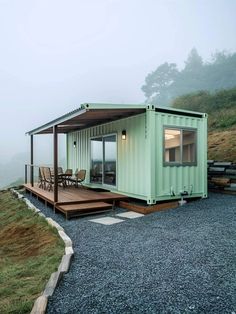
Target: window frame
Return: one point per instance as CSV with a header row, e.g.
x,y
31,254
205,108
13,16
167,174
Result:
x,y
181,163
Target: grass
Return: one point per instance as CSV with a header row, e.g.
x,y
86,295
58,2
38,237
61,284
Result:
x,y
222,119
221,145
222,135
30,250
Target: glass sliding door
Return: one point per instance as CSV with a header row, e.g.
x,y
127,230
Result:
x,y
96,160
103,160
109,167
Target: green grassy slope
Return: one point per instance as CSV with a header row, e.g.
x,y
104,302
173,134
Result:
x,y
30,251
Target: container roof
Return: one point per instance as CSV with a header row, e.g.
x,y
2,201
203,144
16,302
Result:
x,y
91,114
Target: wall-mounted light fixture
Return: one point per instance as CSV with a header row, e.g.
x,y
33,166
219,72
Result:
x,y
74,144
123,136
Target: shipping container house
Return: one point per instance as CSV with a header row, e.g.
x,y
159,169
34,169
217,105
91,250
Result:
x,y
143,151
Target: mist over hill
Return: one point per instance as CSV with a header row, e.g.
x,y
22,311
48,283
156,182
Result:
x,y
167,82
13,170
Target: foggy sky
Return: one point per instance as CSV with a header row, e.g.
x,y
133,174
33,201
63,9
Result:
x,y
57,54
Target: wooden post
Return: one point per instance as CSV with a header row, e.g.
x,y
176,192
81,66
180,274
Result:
x,y
26,175
55,163
31,160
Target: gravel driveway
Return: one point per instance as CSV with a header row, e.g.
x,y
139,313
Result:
x,y
175,261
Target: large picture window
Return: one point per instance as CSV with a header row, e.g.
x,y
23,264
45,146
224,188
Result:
x,y
179,146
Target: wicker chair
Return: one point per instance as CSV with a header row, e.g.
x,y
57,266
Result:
x,y
41,179
78,178
49,179
68,174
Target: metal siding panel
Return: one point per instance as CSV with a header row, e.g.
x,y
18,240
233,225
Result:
x,y
179,176
131,157
132,166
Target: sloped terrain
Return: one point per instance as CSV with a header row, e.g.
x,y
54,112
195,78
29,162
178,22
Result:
x,y
30,250
222,145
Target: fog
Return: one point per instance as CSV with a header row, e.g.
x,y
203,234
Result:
x,y
58,54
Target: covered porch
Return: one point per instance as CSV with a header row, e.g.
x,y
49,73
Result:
x,y
70,200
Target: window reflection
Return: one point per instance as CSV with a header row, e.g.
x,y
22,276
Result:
x,y
180,146
189,146
172,145
110,160
96,160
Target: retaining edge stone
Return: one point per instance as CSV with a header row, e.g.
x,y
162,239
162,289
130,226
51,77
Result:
x,y
65,238
65,263
51,284
69,250
40,305
54,224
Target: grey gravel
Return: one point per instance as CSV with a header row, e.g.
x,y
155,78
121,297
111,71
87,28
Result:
x,y
176,261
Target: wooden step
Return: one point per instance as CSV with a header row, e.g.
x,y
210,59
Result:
x,y
85,208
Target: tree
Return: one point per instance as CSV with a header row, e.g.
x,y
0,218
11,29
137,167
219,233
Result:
x,y
192,78
166,83
194,61
159,82
220,57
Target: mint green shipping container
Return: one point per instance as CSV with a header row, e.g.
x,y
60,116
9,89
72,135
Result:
x,y
154,155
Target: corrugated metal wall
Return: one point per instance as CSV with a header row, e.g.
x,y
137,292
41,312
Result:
x,y
137,172
131,153
179,177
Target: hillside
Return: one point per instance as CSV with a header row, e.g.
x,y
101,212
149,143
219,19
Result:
x,y
221,145
30,251
221,109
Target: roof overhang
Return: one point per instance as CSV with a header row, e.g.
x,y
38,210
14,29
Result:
x,y
88,115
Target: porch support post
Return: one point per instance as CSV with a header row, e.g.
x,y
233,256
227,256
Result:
x,y
32,160
55,163
26,175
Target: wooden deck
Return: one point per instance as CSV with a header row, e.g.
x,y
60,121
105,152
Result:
x,y
77,201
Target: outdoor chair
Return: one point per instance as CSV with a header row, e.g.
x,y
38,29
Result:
x,y
59,171
49,179
78,178
67,175
62,177
41,180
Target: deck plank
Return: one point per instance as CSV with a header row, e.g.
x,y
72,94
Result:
x,y
72,197
78,207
